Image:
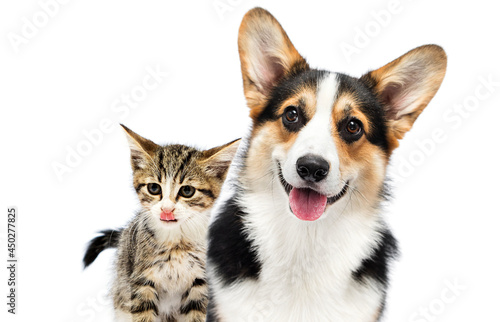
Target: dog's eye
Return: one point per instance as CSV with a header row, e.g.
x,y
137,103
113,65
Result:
x,y
154,188
187,191
293,119
353,127
291,114
350,129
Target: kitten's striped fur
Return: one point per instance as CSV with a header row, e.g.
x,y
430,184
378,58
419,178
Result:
x,y
160,265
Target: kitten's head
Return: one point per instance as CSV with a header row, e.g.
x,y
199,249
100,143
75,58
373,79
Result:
x,y
176,184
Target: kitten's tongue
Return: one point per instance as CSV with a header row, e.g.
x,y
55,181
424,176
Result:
x,y
307,204
167,216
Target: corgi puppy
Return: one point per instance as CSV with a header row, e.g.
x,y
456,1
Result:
x,y
297,234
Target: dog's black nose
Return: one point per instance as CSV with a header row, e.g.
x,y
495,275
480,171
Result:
x,y
312,168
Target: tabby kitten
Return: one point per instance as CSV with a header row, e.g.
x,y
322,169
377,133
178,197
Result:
x,y
161,254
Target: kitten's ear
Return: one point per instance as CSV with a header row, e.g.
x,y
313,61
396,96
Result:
x,y
406,85
267,55
216,161
141,150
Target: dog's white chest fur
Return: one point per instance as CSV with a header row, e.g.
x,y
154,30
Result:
x,y
306,272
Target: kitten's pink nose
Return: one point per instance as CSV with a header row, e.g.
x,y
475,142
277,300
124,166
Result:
x,y
167,208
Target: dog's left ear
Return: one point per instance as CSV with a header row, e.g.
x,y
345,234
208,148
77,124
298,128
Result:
x,y
216,161
267,56
406,85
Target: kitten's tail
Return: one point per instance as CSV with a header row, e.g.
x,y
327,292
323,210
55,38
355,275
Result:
x,y
108,239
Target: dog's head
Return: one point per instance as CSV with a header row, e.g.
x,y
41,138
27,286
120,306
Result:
x,y
323,134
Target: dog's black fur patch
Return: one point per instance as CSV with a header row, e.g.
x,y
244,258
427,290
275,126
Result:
x,y
377,265
231,253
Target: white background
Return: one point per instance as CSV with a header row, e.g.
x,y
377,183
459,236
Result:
x,y
64,78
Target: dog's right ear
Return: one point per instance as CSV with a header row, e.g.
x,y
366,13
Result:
x,y
267,55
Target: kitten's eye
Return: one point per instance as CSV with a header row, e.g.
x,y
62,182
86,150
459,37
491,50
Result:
x,y
154,188
354,127
187,191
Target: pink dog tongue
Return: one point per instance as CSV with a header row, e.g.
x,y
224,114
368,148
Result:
x,y
307,204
